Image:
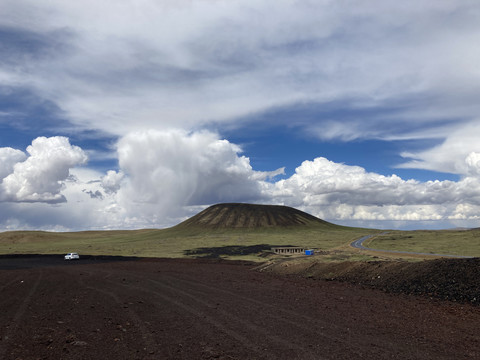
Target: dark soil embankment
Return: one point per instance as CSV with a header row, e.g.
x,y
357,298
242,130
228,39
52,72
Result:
x,y
448,279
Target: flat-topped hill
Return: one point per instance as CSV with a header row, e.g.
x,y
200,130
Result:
x,y
252,216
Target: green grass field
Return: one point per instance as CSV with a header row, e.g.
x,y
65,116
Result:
x,y
454,242
177,242
245,244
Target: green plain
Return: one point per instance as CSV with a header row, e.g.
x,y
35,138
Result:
x,y
451,242
245,244
177,241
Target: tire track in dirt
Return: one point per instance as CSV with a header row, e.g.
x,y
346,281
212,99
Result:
x,y
17,317
306,325
148,341
175,300
265,316
298,320
193,309
190,303
197,335
253,329
255,302
15,280
180,313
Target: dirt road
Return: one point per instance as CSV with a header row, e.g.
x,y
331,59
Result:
x,y
358,244
187,309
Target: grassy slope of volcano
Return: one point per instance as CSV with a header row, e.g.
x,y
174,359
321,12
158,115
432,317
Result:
x,y
238,216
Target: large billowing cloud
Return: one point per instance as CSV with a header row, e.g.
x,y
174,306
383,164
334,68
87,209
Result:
x,y
171,169
41,176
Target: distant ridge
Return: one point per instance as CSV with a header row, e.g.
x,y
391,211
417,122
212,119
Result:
x,y
251,216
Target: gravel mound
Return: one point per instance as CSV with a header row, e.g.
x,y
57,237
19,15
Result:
x,y
447,279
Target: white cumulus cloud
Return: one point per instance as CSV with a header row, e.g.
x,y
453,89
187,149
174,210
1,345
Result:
x,y
341,192
166,170
40,177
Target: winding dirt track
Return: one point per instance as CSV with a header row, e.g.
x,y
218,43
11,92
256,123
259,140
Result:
x,y
186,309
358,244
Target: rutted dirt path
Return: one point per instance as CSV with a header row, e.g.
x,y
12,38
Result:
x,y
186,309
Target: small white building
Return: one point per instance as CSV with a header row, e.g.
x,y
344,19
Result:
x,y
285,250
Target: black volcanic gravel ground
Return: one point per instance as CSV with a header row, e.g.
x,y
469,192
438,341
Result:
x,y
447,279
199,309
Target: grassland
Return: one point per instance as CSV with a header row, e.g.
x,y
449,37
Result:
x,y
454,242
242,231
247,244
177,242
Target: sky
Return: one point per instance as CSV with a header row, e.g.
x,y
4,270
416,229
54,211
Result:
x,y
139,114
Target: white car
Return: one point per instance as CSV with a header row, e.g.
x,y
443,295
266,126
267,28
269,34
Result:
x,y
72,256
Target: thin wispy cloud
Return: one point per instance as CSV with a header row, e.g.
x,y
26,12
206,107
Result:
x,y
183,64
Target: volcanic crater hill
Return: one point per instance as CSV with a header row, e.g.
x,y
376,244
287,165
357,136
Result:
x,y
252,216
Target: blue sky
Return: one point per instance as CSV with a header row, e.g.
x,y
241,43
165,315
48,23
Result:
x,y
121,115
